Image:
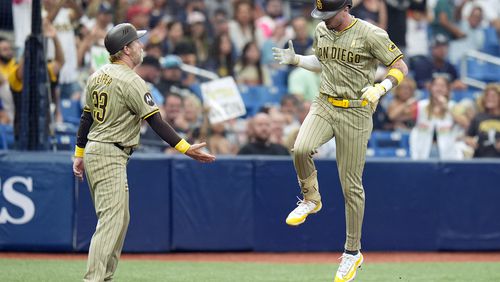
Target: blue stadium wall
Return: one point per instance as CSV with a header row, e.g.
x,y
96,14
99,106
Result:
x,y
240,204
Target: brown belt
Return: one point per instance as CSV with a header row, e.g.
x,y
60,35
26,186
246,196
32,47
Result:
x,y
346,103
127,150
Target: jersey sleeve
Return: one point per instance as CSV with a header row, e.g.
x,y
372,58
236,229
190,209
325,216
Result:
x,y
382,48
139,99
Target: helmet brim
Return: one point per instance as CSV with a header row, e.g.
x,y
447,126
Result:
x,y
317,14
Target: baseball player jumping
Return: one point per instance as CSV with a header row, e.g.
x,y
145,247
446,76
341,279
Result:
x,y
347,52
117,99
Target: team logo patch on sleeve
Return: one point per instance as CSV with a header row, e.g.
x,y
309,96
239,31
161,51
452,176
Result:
x,y
392,47
148,98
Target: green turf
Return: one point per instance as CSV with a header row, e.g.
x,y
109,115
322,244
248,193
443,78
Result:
x,y
130,270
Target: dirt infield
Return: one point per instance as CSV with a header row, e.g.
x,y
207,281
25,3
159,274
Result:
x,y
372,257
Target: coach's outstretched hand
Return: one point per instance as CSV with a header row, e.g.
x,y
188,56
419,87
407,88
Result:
x,y
286,56
195,152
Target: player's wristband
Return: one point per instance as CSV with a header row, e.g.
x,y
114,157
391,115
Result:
x,y
79,152
397,74
182,146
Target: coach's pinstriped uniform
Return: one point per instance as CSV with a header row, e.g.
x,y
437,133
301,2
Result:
x,y
349,60
118,100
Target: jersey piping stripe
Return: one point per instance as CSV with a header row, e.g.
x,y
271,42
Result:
x,y
393,61
150,114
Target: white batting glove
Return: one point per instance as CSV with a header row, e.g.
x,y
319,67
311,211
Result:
x,y
286,56
372,94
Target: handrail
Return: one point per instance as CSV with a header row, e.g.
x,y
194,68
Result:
x,y
481,56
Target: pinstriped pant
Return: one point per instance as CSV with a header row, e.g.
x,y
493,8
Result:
x,y
105,167
351,128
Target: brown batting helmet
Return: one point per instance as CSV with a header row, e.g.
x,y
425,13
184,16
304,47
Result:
x,y
326,9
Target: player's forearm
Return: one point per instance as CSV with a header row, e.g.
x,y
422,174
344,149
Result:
x,y
163,129
310,63
395,75
83,131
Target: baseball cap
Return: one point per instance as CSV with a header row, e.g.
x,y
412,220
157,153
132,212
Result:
x,y
439,40
171,62
105,8
195,17
184,48
151,61
120,36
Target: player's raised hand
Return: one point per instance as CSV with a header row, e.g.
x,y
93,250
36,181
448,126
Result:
x,y
286,56
195,152
372,94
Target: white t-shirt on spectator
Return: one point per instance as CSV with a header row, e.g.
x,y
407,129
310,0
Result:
x,y
66,36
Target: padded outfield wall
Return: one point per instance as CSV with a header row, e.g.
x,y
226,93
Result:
x,y
240,204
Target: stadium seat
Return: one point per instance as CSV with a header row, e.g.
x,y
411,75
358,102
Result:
x,y
71,111
482,71
491,43
388,144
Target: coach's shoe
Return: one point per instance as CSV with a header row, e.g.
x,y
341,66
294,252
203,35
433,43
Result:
x,y
303,209
348,267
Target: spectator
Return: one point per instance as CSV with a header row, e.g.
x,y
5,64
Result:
x,y
242,28
277,39
172,111
7,66
198,35
221,60
139,16
62,15
90,48
278,123
302,41
248,70
304,83
302,111
444,22
4,117
53,69
396,27
425,67
289,107
186,50
417,43
150,70
175,34
436,133
484,131
159,12
474,36
261,144
220,23
266,23
192,117
372,11
172,80
402,110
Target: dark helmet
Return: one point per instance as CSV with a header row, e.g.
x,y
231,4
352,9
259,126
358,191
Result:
x,y
326,9
120,36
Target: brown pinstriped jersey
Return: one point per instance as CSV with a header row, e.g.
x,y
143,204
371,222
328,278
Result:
x,y
350,58
118,99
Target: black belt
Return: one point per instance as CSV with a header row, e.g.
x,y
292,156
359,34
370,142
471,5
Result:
x,y
127,150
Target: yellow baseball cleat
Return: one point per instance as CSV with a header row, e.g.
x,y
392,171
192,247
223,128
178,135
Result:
x,y
303,209
348,267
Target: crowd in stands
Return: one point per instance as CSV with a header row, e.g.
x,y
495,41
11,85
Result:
x,y
235,38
